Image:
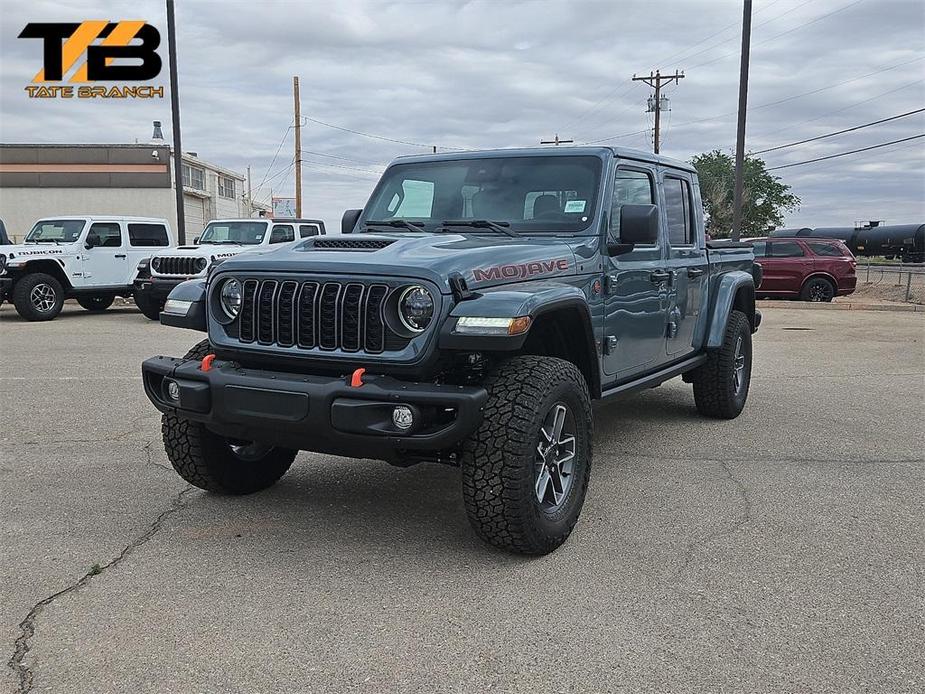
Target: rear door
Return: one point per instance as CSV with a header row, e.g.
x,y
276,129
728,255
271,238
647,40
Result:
x,y
686,263
144,240
786,267
636,297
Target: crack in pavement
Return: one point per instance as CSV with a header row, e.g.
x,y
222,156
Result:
x,y
147,449
23,644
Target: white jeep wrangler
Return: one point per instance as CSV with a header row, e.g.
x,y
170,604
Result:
x,y
91,259
221,239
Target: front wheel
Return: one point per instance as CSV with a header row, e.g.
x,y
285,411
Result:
x,y
38,297
96,303
721,384
216,463
525,471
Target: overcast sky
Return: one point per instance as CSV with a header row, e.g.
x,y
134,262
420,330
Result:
x,y
484,73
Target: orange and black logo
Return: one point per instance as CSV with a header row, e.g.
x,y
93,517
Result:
x,y
96,51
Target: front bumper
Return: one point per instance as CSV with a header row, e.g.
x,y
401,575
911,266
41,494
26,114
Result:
x,y
315,413
157,288
6,286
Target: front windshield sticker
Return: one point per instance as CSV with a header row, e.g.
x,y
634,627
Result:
x,y
520,270
574,206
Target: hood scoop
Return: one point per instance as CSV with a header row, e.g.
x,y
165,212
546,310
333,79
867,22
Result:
x,y
351,244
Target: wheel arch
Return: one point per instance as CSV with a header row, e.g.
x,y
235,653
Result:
x,y
735,291
47,266
819,274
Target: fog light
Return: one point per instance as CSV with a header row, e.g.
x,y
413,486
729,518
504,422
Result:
x,y
173,390
402,417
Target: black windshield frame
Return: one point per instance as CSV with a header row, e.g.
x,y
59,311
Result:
x,y
450,189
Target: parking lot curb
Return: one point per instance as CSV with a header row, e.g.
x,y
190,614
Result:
x,y
908,308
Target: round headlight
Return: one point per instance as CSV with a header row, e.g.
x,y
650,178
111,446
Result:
x,y
156,264
415,308
231,297
201,264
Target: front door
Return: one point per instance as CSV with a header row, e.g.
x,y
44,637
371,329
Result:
x,y
105,265
687,263
785,267
635,286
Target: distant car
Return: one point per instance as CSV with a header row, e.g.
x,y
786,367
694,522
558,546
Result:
x,y
808,269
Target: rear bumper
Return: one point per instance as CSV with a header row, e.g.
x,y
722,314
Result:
x,y
315,413
155,288
846,285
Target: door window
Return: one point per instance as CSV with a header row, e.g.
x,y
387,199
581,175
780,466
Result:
x,y
785,249
148,235
630,187
282,233
760,248
822,248
678,212
109,234
306,230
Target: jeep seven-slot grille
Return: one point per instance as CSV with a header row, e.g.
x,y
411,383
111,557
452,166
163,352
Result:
x,y
327,315
173,265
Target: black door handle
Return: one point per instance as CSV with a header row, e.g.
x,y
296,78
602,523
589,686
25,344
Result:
x,y
694,272
660,276
120,255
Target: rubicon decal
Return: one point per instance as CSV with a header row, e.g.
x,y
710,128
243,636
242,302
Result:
x,y
521,270
123,51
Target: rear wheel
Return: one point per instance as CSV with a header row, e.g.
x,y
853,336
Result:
x,y
525,471
96,303
38,297
216,463
721,384
818,289
150,308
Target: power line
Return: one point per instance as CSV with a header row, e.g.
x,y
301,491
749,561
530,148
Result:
x,y
342,166
270,167
845,154
370,135
840,132
334,156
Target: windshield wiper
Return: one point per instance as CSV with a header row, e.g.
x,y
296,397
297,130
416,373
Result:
x,y
411,226
500,227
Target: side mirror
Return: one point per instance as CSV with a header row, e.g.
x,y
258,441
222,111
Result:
x,y
639,225
196,241
93,239
349,220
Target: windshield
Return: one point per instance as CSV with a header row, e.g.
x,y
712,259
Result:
x,y
55,230
249,233
531,194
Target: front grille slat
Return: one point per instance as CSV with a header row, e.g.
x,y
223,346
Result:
x,y
176,265
326,315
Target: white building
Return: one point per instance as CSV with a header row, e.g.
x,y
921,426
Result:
x,y
47,180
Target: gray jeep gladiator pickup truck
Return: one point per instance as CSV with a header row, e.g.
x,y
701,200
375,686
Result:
x,y
468,315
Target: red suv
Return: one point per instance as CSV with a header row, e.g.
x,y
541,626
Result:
x,y
811,269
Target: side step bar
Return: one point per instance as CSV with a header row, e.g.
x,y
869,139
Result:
x,y
653,379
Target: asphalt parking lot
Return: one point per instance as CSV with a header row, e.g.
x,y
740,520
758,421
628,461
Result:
x,y
782,551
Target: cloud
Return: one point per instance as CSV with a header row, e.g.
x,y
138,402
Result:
x,y
479,73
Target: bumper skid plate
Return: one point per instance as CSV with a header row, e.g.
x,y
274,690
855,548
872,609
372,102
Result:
x,y
315,413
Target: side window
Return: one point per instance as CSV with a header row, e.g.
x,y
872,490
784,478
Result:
x,y
109,234
306,230
761,248
821,248
282,233
418,199
785,249
148,235
629,188
678,212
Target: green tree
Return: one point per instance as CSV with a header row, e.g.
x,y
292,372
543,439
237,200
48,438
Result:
x,y
764,198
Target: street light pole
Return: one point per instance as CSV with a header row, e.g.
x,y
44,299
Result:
x,y
740,133
175,120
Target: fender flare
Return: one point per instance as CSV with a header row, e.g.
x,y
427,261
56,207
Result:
x,y
727,289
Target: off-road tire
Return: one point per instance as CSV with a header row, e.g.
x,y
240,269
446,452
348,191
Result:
x,y
715,392
497,461
809,290
96,304
22,296
150,309
205,459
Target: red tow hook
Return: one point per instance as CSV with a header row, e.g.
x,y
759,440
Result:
x,y
207,362
356,380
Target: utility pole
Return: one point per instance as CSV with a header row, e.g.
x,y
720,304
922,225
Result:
x,y
556,141
740,133
655,80
175,120
250,200
298,148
